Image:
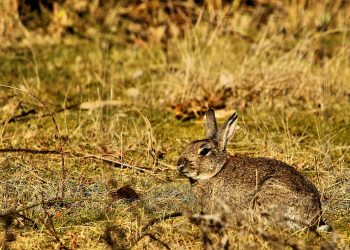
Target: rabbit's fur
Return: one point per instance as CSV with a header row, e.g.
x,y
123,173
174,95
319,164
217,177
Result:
x,y
260,184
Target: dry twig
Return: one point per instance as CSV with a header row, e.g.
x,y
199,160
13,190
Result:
x,y
75,154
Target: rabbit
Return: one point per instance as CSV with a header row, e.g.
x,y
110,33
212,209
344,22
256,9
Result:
x,y
261,184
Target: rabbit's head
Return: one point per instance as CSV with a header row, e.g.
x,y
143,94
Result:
x,y
203,159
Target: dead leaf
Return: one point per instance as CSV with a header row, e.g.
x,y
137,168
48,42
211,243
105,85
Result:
x,y
74,241
217,99
156,34
58,214
132,92
137,73
197,107
99,104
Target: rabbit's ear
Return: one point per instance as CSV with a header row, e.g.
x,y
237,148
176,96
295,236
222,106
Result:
x,y
226,131
210,124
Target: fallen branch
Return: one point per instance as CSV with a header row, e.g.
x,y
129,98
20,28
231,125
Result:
x,y
25,116
115,163
75,154
51,202
28,150
13,212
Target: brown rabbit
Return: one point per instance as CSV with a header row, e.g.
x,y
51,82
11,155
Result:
x,y
261,184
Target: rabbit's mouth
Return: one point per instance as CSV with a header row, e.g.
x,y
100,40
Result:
x,y
186,170
188,175
192,181
193,174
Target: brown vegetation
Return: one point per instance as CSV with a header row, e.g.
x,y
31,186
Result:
x,y
98,100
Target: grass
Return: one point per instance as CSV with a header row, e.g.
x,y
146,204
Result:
x,y
291,92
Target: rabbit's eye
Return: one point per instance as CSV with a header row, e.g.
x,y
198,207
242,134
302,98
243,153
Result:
x,y
204,151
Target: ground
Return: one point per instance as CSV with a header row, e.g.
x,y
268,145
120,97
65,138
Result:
x,y
72,111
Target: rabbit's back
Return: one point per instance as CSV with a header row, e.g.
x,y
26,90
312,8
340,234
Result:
x,y
262,184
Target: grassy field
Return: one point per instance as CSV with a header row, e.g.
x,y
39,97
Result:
x,y
88,122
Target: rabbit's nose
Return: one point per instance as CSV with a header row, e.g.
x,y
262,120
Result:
x,y
180,168
181,163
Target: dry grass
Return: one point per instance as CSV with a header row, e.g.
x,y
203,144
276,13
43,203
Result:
x,y
289,82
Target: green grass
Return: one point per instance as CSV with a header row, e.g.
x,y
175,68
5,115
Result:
x,y
293,106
